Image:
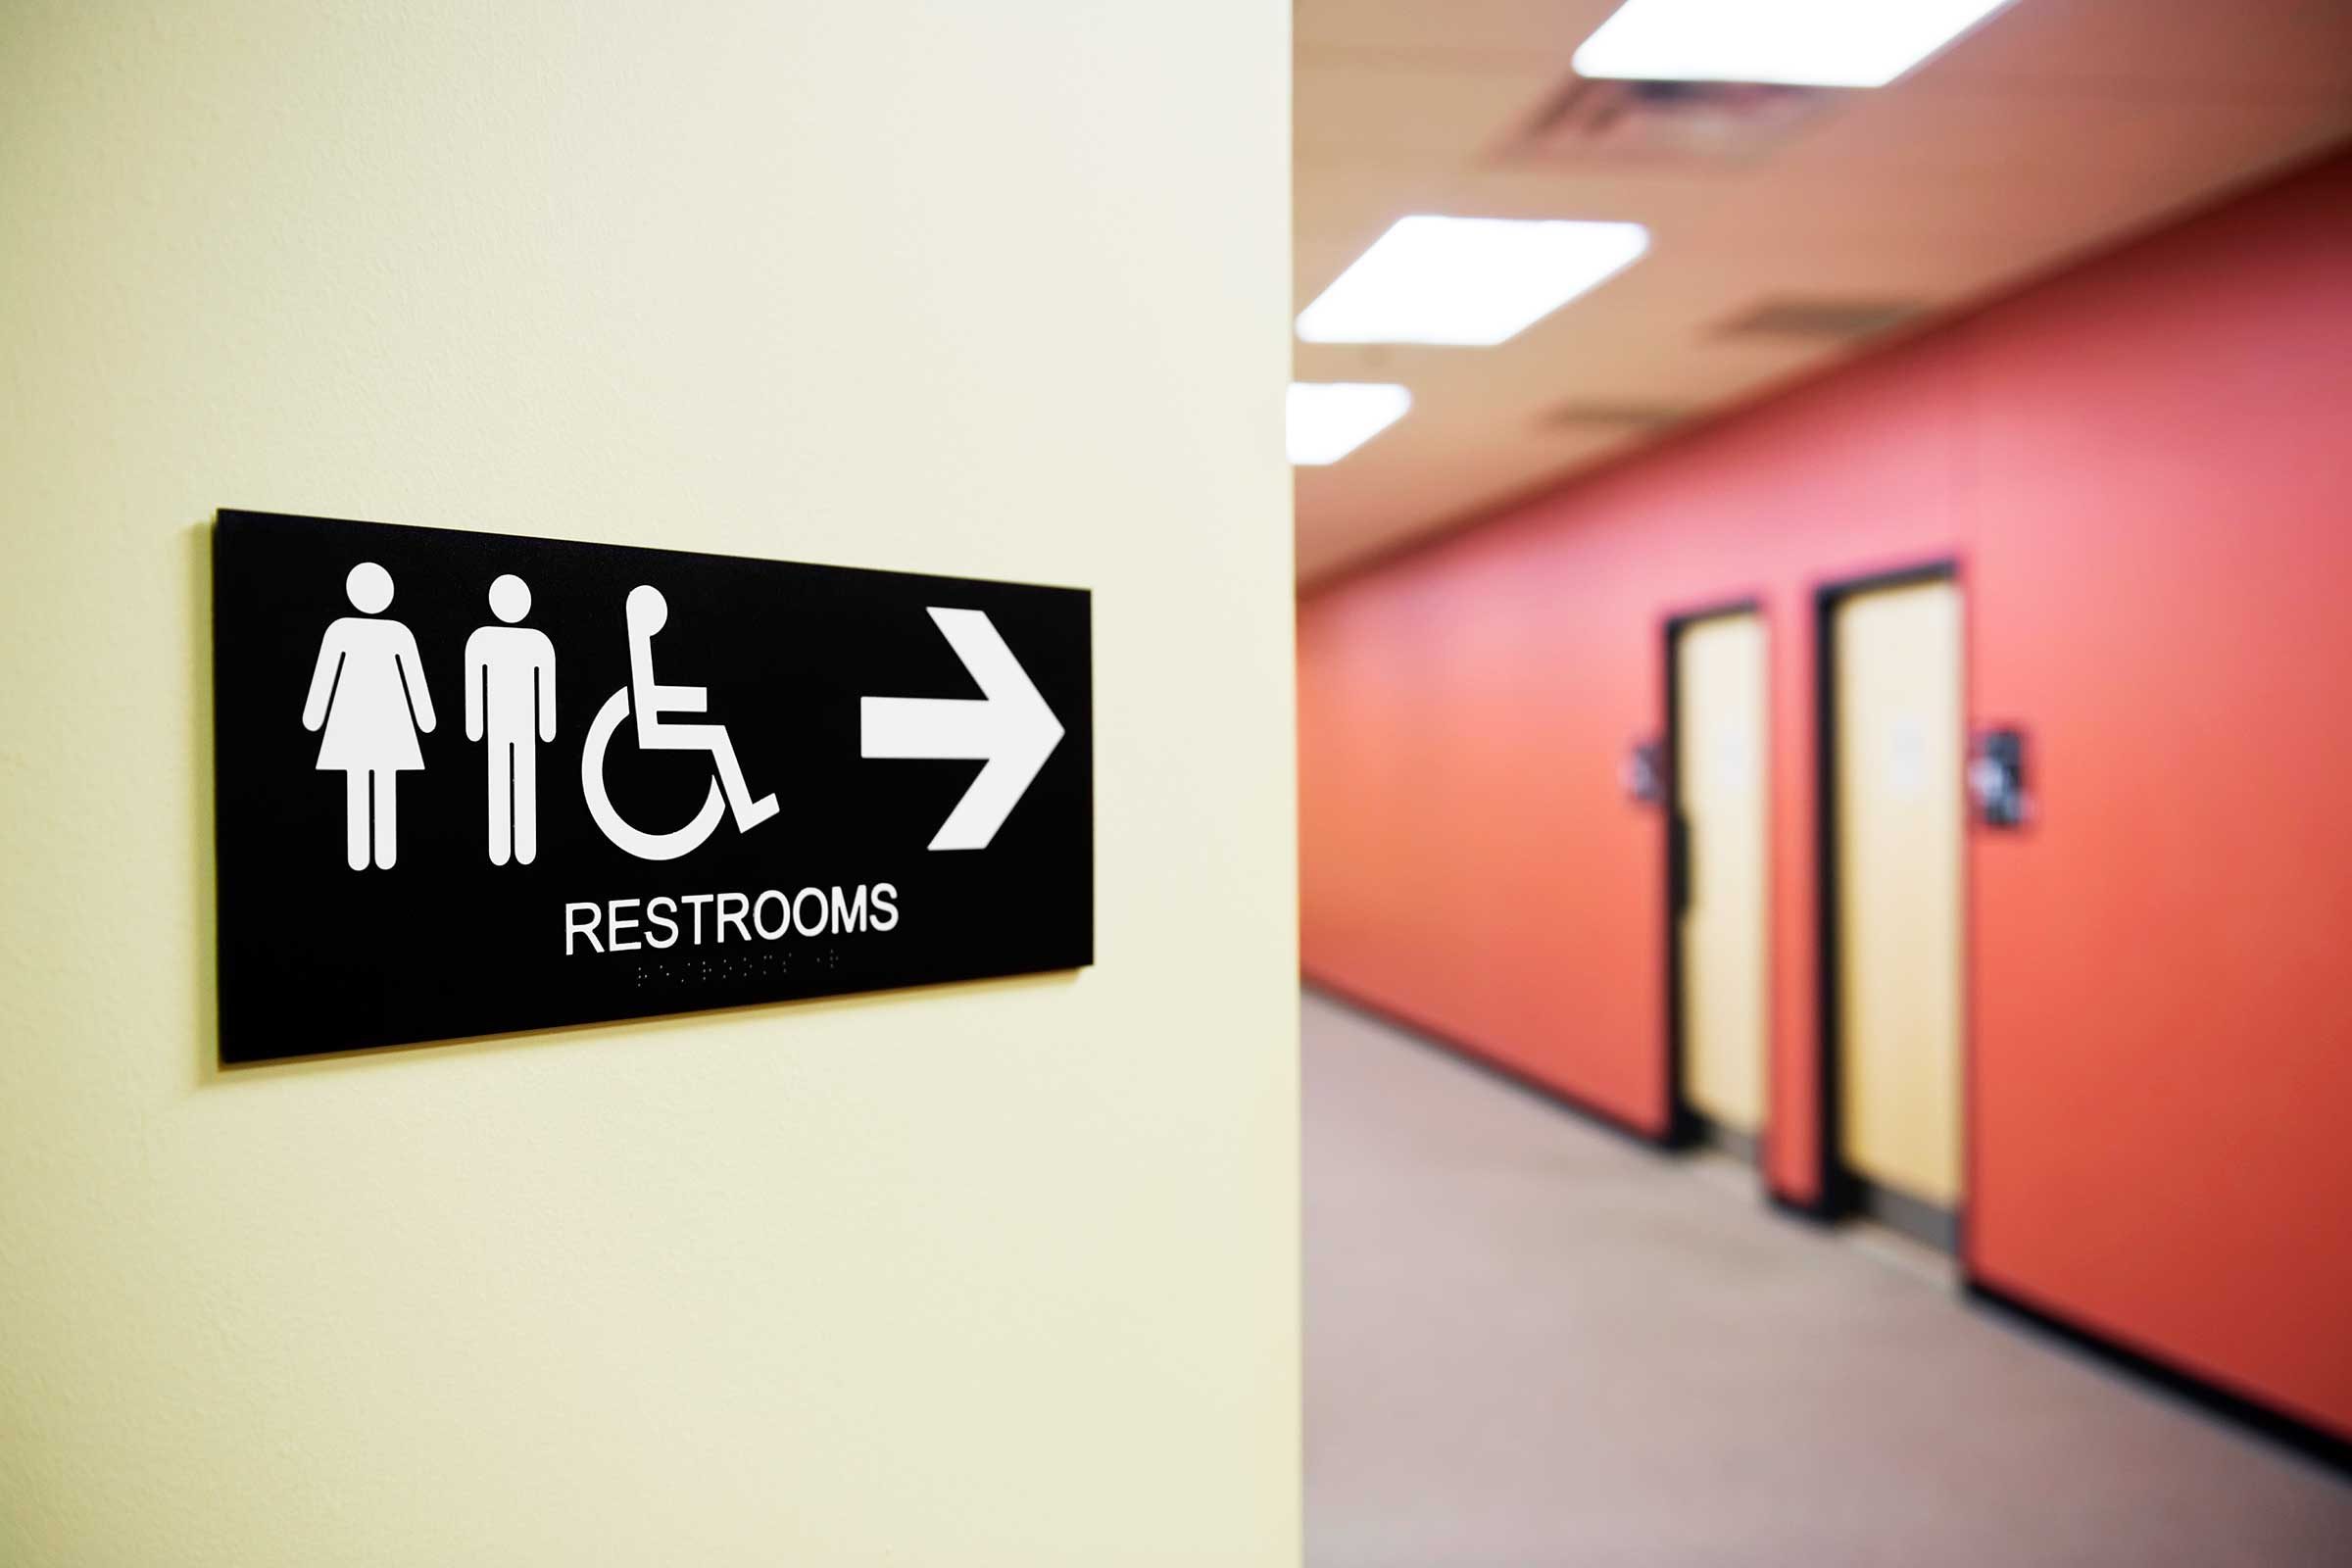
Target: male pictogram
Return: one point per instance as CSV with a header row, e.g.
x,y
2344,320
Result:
x,y
511,702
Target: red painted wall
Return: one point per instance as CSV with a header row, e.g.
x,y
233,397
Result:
x,y
2144,467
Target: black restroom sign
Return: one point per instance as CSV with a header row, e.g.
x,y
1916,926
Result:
x,y
472,783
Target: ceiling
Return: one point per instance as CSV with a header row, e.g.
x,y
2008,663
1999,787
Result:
x,y
2055,127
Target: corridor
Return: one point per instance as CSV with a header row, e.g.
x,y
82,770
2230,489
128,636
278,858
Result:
x,y
1533,1342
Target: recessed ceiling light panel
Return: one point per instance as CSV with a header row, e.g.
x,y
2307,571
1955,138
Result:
x,y
1328,419
1473,282
1812,43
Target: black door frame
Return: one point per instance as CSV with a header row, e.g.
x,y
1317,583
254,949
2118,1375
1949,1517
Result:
x,y
1844,1191
1685,1126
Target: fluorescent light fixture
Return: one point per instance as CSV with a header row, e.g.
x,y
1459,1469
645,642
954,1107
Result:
x,y
1328,419
1806,43
1467,280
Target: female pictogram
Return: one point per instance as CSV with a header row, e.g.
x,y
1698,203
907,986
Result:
x,y
367,689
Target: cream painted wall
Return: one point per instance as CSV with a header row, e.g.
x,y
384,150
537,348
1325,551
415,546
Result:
x,y
978,1275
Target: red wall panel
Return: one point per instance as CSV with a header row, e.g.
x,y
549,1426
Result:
x,y
2144,467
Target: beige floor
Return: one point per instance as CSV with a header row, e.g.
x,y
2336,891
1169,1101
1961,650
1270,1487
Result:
x,y
1533,1342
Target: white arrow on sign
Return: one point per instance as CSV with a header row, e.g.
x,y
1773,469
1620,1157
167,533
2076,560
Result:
x,y
1008,725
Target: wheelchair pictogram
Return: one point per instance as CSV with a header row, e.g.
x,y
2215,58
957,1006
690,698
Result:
x,y
651,703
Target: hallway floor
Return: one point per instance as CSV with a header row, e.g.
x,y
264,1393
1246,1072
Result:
x,y
1532,1343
